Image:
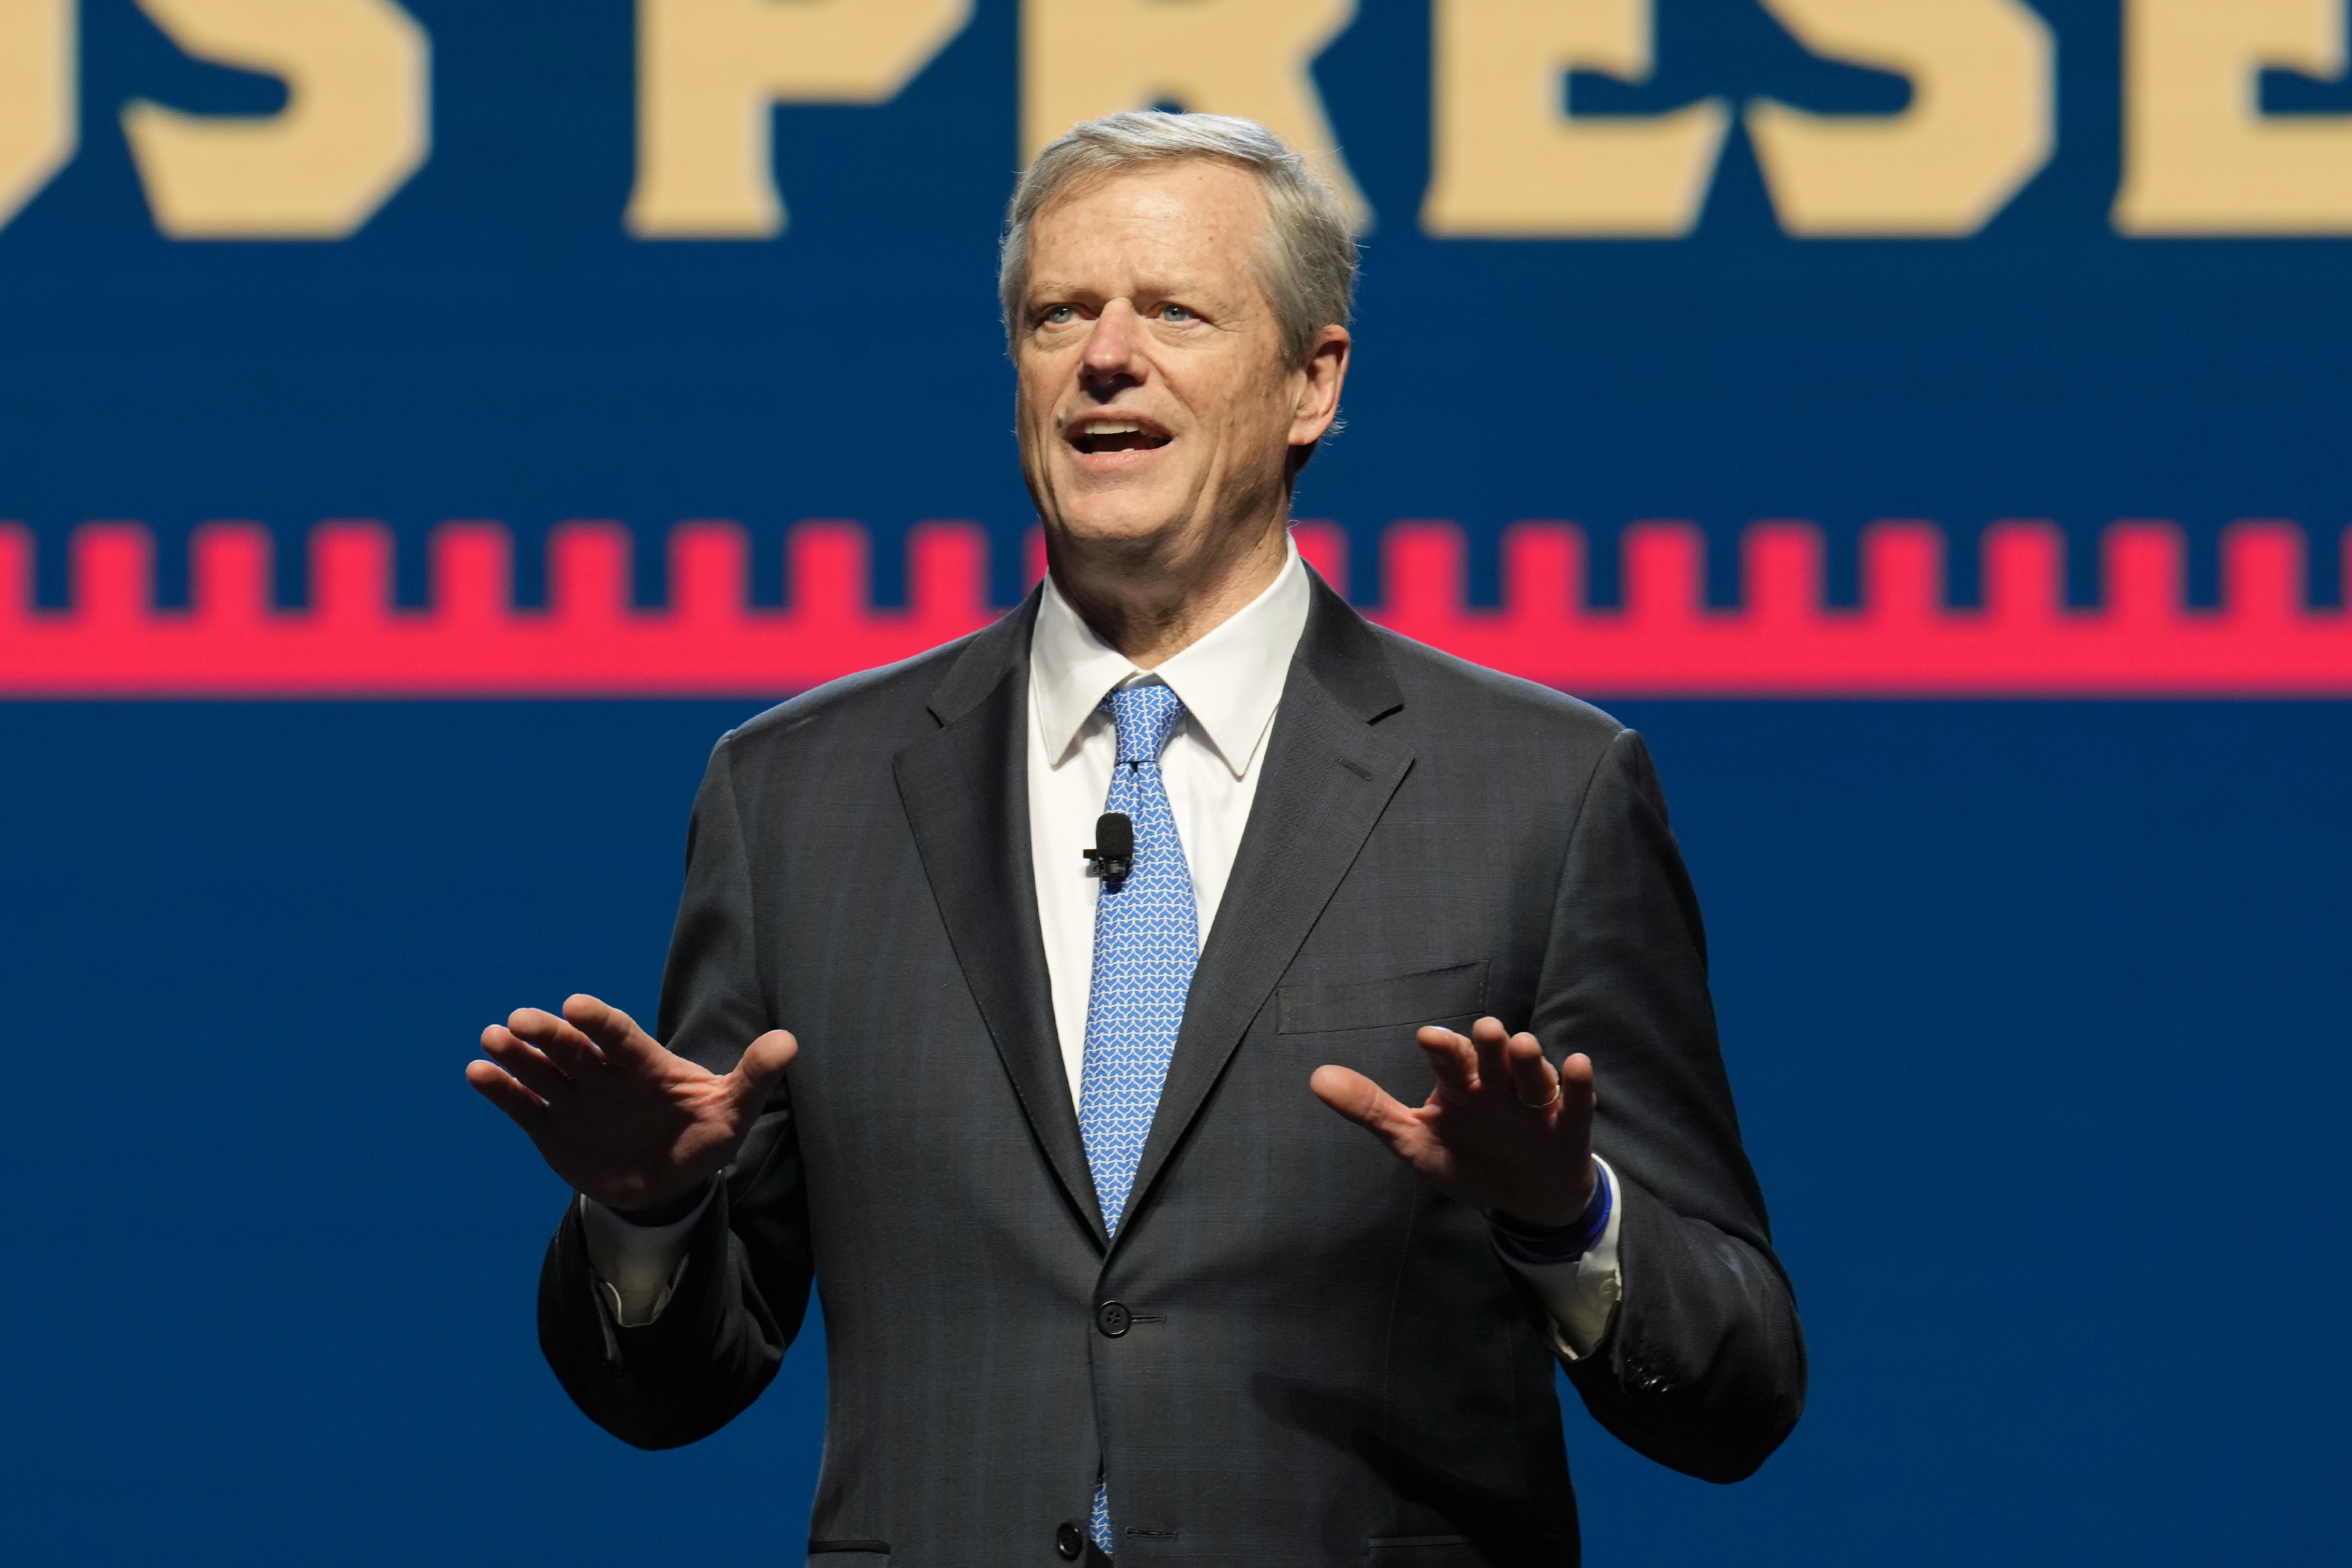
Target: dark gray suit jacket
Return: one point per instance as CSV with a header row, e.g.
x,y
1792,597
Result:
x,y
1326,1362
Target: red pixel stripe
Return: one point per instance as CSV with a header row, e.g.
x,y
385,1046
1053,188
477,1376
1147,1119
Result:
x,y
2263,641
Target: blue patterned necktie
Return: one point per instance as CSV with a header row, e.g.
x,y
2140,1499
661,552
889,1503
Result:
x,y
1147,940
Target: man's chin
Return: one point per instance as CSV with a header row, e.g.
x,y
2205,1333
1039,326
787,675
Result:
x,y
1114,522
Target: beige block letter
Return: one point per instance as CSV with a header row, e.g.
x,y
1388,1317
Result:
x,y
1507,161
709,71
1980,124
358,120
2199,156
1081,59
38,104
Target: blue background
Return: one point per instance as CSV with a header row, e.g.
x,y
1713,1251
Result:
x,y
2034,1010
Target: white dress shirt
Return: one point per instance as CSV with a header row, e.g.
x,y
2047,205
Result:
x,y
1230,683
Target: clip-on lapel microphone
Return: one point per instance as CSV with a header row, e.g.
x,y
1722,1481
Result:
x,y
1113,854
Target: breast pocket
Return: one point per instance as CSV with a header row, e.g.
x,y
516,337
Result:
x,y
1449,996
1369,1025
849,1554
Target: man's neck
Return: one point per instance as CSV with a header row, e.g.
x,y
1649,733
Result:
x,y
1151,614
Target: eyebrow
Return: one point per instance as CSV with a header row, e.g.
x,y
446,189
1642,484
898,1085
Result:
x,y
1039,292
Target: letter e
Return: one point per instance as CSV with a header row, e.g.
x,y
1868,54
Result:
x,y
2199,156
1510,159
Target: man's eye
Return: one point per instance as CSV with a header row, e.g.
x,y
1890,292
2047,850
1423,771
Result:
x,y
1175,313
1059,316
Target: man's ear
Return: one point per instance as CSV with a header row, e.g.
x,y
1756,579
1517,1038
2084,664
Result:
x,y
1326,362
1320,376
1319,380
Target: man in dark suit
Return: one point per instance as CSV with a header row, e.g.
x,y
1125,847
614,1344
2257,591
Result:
x,y
1052,1132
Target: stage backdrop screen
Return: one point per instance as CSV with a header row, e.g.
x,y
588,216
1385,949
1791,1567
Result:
x,y
425,426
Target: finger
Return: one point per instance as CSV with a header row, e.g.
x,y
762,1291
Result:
x,y
1487,1039
502,1090
572,1052
1362,1102
1451,1058
518,1059
1576,1081
618,1035
764,1061
1531,1076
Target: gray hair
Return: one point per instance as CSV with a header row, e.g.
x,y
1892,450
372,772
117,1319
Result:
x,y
1307,261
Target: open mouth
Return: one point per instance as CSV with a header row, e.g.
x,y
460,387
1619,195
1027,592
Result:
x,y
1092,435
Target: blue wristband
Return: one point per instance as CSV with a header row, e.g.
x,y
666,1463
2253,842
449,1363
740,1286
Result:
x,y
1570,1241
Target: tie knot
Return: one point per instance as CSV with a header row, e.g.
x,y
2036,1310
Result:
x,y
1144,716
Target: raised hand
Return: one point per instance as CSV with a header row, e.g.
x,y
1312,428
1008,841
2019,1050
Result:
x,y
1502,1129
630,1124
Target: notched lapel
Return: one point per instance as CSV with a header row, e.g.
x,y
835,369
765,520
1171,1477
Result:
x,y
1330,773
966,795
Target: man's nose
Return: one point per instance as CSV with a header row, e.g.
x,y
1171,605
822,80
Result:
x,y
1114,347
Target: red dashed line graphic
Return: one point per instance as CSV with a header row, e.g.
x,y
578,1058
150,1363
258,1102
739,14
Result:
x,y
2263,640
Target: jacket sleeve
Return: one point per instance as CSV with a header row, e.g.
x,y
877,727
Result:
x,y
1703,1368
742,1294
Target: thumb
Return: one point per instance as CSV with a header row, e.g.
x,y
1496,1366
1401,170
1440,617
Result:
x,y
1355,1097
1373,1109
764,1061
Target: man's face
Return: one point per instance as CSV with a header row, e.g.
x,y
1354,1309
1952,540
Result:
x,y
1154,406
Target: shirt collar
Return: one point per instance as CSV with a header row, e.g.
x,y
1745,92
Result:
x,y
1230,681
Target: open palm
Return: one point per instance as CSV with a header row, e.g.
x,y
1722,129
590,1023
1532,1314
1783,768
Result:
x,y
1502,1129
621,1119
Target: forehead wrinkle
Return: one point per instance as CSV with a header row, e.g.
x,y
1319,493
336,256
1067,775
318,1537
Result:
x,y
1159,216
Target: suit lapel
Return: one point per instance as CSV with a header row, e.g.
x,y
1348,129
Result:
x,y
966,794
1329,774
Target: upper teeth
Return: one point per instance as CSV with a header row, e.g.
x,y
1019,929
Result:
x,y
1105,427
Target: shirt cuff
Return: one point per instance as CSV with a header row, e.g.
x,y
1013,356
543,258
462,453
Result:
x,y
637,1266
1580,1289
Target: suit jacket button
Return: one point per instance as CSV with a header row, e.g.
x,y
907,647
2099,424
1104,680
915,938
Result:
x,y
1113,1319
1069,1541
